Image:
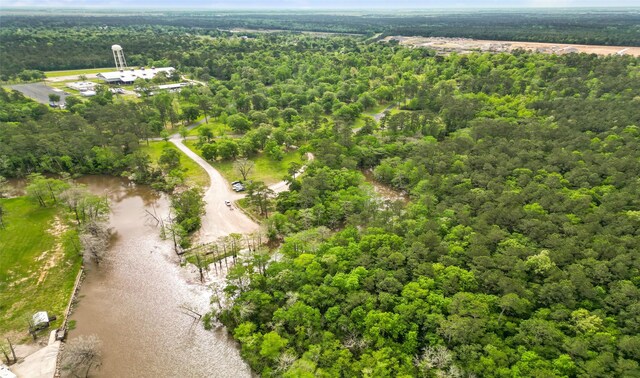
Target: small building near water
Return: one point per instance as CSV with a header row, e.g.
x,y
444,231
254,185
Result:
x,y
40,320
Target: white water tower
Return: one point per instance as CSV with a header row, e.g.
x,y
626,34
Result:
x,y
118,57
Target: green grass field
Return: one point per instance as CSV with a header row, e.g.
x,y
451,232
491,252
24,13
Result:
x,y
194,174
265,169
358,123
38,265
218,128
86,71
376,109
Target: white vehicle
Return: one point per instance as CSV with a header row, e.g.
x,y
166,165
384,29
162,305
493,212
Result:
x,y
227,202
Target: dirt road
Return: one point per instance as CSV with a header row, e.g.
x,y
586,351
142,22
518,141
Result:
x,y
378,116
283,186
219,219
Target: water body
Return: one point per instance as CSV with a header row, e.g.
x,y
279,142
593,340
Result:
x,y
383,191
133,300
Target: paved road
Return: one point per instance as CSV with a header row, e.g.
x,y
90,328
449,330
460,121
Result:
x,y
40,364
39,92
219,220
378,116
73,77
283,186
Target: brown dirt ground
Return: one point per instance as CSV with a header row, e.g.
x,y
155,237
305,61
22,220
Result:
x,y
57,229
467,45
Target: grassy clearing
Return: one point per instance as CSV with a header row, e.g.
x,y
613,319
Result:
x,y
358,123
86,71
376,109
194,174
218,128
265,169
250,211
39,262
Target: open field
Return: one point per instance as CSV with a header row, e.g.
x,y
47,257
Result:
x,y
38,265
358,123
375,110
83,71
464,45
218,128
266,170
194,174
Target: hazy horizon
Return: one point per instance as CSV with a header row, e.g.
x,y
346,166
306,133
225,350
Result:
x,y
319,4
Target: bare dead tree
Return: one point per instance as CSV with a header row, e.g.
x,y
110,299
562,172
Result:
x,y
6,356
285,360
190,311
158,220
438,360
217,295
261,260
85,206
13,351
244,167
95,241
201,264
236,244
81,355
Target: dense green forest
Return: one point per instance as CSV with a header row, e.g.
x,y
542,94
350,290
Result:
x,y
38,41
35,139
515,256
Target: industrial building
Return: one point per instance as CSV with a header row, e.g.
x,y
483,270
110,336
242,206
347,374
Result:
x,y
128,76
82,85
125,75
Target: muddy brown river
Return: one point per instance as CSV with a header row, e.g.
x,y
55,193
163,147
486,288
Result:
x,y
133,300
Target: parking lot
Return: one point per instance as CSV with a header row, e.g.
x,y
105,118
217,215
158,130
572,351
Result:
x,y
39,92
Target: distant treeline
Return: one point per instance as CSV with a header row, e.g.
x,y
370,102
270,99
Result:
x,y
50,42
61,46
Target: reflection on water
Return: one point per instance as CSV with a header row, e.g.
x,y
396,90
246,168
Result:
x,y
132,301
383,191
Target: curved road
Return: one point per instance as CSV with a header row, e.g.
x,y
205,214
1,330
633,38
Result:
x,y
219,220
378,116
283,186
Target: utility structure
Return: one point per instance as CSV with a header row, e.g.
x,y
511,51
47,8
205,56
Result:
x,y
118,57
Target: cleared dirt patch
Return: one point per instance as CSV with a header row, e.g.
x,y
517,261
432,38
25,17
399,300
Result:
x,y
58,228
465,45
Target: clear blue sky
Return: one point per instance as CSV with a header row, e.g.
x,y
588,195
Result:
x,y
318,4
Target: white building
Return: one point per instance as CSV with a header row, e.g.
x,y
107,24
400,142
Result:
x,y
88,93
165,87
128,76
82,85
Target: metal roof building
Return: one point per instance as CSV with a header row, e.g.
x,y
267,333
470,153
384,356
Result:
x,y
128,76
